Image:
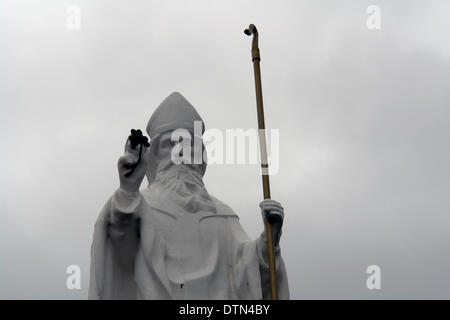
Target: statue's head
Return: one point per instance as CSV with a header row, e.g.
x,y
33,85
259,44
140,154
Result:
x,y
177,153
174,128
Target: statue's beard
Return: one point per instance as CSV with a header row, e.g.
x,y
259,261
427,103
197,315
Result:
x,y
186,182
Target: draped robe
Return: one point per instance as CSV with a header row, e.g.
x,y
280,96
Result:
x,y
145,246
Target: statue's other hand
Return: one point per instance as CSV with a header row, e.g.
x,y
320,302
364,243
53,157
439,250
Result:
x,y
132,167
273,212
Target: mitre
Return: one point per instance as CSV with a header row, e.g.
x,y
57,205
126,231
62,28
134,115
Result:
x,y
175,112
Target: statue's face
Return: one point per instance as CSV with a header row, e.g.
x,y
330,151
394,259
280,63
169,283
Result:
x,y
183,181
162,148
165,145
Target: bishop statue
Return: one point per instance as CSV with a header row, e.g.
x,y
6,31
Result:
x,y
174,240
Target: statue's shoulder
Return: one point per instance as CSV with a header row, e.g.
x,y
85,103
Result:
x,y
222,208
154,199
148,195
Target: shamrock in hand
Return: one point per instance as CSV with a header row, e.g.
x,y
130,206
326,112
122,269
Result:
x,y
137,139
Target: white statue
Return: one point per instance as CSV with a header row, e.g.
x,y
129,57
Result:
x,y
174,240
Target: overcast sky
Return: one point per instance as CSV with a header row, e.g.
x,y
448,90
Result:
x,y
363,117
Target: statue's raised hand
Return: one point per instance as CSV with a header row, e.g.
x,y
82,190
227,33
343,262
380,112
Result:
x,y
133,164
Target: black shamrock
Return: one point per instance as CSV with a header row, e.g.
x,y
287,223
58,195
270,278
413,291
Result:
x,y
137,139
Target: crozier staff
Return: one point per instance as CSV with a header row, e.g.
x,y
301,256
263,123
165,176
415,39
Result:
x,y
263,152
